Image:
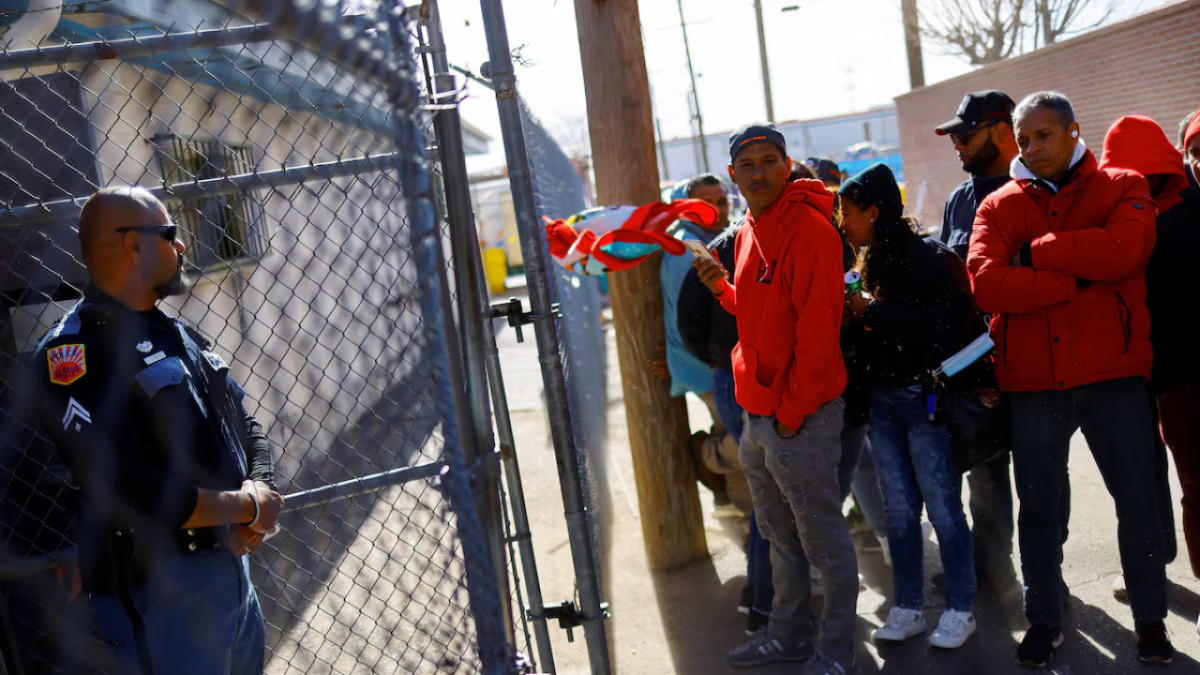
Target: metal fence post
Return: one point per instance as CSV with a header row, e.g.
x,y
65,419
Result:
x,y
505,81
496,651
482,459
467,252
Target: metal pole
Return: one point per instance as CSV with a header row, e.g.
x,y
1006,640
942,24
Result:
x,y
496,653
472,313
662,149
695,93
28,214
458,200
546,333
135,46
762,55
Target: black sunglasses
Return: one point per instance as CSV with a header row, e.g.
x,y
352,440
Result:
x,y
169,232
966,136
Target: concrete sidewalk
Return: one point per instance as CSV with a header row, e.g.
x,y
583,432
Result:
x,y
686,621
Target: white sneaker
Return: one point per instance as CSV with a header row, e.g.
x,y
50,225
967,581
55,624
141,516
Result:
x,y
953,629
818,582
901,625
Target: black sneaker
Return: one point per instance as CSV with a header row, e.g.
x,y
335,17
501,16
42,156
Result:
x,y
763,649
1037,648
746,601
1154,647
756,622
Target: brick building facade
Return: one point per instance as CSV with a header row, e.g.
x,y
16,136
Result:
x,y
1149,64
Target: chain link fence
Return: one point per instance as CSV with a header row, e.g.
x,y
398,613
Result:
x,y
559,191
291,152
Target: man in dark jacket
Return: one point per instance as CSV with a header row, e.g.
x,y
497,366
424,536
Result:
x,y
1139,144
175,476
983,138
1057,257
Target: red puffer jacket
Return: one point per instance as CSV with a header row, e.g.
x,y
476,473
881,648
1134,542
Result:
x,y
1049,332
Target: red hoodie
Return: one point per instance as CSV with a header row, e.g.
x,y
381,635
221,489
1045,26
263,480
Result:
x,y
787,294
1136,143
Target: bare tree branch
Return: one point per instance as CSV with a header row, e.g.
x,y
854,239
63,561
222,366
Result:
x,y
1058,17
986,31
981,31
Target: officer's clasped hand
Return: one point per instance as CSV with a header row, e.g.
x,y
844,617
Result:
x,y
270,504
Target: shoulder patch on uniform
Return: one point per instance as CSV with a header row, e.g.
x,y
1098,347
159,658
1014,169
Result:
x,y
67,363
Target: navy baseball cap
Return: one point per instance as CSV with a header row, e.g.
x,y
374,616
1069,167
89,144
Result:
x,y
978,108
755,133
826,169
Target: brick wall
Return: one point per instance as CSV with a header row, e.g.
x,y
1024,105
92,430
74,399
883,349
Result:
x,y
1149,64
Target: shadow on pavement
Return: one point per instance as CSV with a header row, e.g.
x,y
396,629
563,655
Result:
x,y
701,626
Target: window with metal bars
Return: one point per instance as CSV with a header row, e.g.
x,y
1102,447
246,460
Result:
x,y
218,228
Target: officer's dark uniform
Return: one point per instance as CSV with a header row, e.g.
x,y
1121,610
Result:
x,y
144,413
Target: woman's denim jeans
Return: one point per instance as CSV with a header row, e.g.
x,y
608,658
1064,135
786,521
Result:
x,y
916,467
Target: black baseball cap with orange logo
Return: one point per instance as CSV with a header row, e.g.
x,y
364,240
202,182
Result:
x,y
979,108
755,133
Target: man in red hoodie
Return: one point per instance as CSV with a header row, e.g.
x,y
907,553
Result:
x,y
788,294
1136,143
1191,147
1057,257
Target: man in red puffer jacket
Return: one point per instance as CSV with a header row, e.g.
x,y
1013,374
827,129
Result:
x,y
1057,257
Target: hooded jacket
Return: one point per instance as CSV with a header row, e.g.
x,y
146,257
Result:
x,y
688,373
1061,270
1138,144
788,294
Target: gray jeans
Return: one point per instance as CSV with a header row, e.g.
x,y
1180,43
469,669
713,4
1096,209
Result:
x,y
794,483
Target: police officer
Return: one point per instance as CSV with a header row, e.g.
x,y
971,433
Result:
x,y
175,476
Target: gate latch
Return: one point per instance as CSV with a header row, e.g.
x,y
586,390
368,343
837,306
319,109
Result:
x,y
517,317
568,616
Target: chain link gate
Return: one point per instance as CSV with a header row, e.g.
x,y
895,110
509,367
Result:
x,y
292,153
572,306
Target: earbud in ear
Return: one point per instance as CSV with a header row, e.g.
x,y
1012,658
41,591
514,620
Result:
x,y
1074,134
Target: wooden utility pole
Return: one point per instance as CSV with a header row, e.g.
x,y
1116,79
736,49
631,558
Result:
x,y
912,43
622,134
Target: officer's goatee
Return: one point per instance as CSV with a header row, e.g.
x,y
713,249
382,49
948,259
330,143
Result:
x,y
176,285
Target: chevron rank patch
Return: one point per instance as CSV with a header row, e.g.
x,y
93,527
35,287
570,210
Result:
x,y
76,413
67,364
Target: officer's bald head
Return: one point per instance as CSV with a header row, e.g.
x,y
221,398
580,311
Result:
x,y
128,252
105,211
